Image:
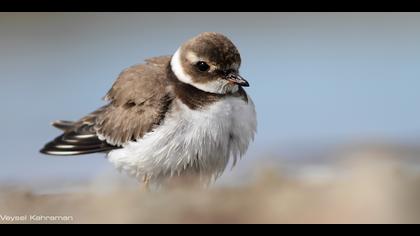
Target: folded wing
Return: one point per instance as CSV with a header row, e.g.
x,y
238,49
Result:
x,y
138,101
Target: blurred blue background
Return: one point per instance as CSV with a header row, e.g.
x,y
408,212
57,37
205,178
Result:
x,y
316,78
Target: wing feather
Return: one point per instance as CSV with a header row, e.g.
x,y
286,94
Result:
x,y
138,101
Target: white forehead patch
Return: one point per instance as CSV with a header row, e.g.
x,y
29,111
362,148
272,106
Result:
x,y
192,57
216,86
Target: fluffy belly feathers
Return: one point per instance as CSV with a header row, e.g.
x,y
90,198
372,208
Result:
x,y
198,142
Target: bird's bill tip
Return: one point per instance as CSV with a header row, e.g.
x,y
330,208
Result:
x,y
237,79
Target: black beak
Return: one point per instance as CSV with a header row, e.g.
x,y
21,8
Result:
x,y
237,79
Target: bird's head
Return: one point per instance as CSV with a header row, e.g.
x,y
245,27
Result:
x,y
209,62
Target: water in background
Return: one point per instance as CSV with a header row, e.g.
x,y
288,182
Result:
x,y
320,81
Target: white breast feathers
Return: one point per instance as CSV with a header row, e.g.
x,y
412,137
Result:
x,y
198,142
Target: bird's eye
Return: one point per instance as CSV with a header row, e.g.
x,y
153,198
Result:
x,y
202,66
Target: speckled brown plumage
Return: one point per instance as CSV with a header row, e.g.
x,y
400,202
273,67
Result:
x,y
138,100
142,95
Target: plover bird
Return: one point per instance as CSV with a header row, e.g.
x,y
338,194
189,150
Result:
x,y
173,116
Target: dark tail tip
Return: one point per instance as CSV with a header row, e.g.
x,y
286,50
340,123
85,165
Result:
x,y
63,124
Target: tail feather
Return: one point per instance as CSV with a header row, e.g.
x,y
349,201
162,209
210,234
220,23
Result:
x,y
63,124
76,140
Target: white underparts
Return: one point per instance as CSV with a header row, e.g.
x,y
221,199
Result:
x,y
191,142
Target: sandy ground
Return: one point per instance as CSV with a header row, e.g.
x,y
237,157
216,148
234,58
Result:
x,y
367,188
